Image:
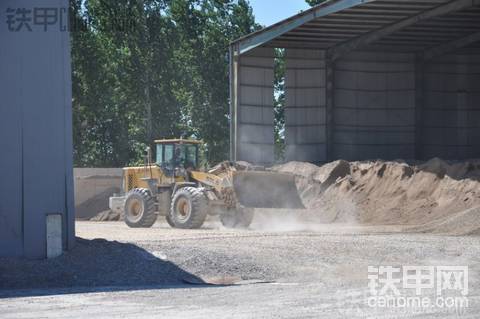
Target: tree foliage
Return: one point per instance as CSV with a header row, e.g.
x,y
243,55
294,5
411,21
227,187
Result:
x,y
279,105
150,69
314,2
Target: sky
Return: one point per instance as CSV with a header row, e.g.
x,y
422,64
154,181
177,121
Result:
x,y
268,12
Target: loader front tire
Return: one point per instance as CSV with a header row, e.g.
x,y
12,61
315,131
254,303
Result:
x,y
237,218
189,208
169,220
140,209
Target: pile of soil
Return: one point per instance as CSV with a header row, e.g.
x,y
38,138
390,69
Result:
x,y
107,216
96,205
390,193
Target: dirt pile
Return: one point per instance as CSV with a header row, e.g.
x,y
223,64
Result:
x,y
107,216
389,193
95,205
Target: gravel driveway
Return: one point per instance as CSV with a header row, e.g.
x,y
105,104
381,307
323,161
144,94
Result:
x,y
320,272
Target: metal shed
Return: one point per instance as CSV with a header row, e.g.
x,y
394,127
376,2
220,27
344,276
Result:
x,y
364,79
36,184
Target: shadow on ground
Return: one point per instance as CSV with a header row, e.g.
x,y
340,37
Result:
x,y
92,266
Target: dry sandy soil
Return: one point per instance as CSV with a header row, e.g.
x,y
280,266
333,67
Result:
x,y
392,193
320,271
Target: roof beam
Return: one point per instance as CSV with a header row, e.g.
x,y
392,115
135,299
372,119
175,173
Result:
x,y
260,37
370,37
451,46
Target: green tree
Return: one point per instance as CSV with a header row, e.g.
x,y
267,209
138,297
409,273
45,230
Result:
x,y
314,2
101,125
204,30
279,105
151,69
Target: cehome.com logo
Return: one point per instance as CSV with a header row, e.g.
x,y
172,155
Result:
x,y
419,287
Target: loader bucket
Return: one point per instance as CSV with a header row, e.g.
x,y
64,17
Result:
x,y
266,190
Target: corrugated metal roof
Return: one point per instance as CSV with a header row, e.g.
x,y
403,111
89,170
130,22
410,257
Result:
x,y
405,25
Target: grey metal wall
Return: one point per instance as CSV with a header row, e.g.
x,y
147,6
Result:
x,y
374,106
254,131
305,105
451,112
35,130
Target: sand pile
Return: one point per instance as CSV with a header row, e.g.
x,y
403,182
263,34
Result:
x,y
390,193
107,216
96,205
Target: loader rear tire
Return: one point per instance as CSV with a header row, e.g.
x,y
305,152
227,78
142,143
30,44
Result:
x,y
189,208
237,218
140,209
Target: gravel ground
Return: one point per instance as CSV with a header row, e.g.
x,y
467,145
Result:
x,y
93,263
318,272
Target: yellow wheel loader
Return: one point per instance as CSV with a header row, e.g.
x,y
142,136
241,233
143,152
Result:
x,y
174,186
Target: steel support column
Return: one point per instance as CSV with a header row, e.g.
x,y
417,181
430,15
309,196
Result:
x,y
234,93
330,102
419,104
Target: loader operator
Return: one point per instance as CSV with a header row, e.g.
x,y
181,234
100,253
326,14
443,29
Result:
x,y
177,159
181,158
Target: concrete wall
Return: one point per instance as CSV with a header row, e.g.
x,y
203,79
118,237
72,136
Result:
x,y
93,187
451,112
305,105
385,105
35,126
374,106
255,136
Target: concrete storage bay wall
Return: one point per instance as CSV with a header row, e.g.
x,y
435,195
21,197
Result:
x,y
305,105
375,112
35,126
255,109
451,114
374,106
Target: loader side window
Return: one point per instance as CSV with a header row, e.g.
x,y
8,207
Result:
x,y
164,154
168,153
159,160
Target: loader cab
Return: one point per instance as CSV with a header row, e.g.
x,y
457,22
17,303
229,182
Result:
x,y
177,154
